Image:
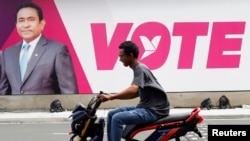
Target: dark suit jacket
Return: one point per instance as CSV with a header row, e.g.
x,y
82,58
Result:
x,y
0,63
49,71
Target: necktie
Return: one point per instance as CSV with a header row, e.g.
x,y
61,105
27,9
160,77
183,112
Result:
x,y
24,60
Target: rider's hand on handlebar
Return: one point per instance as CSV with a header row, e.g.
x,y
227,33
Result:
x,y
105,97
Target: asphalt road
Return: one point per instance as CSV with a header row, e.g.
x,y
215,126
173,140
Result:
x,y
59,131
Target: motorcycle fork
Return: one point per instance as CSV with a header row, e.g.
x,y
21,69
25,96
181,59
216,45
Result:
x,y
84,130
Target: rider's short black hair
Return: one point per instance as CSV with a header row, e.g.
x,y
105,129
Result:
x,y
129,47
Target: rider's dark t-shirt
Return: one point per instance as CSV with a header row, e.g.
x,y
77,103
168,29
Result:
x,y
152,95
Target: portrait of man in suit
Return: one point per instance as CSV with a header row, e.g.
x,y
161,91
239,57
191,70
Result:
x,y
36,64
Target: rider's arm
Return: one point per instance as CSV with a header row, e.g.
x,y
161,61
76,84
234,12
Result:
x,y
129,93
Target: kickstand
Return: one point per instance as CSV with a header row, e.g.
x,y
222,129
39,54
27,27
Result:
x,y
196,130
177,139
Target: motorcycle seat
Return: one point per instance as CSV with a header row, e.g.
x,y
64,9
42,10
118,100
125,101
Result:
x,y
172,118
167,119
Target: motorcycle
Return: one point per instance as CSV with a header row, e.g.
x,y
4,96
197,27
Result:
x,y
173,126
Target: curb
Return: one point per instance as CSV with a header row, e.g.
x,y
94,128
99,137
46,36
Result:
x,y
43,117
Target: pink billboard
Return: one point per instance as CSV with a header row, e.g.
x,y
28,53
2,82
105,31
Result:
x,y
189,46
